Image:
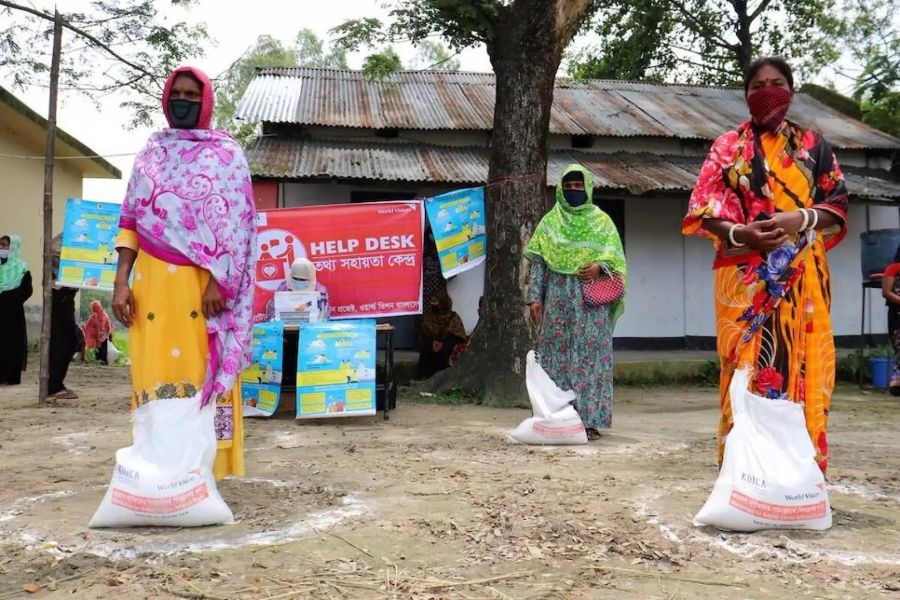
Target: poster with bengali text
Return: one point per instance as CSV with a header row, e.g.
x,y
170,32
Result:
x,y
368,256
88,258
261,381
457,222
336,369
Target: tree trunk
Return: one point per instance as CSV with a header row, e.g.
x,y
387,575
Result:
x,y
525,52
745,50
47,279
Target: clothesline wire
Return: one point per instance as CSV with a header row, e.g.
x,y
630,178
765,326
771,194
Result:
x,y
87,157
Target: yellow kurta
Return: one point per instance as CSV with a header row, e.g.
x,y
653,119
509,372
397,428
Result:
x,y
170,346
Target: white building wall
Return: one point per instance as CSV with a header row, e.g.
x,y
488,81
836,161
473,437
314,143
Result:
x,y
846,274
653,247
699,304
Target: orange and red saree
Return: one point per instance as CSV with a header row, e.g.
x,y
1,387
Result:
x,y
772,310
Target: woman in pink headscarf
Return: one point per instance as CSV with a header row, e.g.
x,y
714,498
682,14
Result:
x,y
97,330
187,239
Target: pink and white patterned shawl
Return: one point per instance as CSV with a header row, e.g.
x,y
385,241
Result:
x,y
190,199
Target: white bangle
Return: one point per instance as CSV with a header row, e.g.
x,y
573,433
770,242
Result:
x,y
815,221
805,220
731,239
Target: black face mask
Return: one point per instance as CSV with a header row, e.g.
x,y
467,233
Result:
x,y
184,114
575,198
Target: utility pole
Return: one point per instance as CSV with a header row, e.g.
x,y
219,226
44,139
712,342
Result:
x,y
47,279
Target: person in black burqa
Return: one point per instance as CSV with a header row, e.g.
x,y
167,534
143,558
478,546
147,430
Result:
x,y
66,337
15,290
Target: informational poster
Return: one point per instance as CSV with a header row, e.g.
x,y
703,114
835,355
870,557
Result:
x,y
336,369
457,222
89,258
368,256
261,382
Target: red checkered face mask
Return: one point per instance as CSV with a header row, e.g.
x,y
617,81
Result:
x,y
769,105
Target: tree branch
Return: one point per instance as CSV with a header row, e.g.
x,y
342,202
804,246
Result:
x,y
716,40
687,61
78,31
760,9
440,62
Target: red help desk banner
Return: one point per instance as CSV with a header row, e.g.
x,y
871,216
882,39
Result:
x,y
369,256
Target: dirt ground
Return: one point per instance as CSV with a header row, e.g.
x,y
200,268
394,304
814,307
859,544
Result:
x,y
435,503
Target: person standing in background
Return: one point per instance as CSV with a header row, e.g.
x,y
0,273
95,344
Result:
x,y
574,252
15,290
890,289
65,336
97,332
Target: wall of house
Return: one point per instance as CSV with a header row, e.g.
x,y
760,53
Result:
x,y
846,273
21,199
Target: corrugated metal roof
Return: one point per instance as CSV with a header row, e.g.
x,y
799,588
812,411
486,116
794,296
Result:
x,y
423,163
429,100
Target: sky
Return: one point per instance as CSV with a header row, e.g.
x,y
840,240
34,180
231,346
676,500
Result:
x,y
234,27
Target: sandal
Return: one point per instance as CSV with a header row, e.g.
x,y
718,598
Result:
x,y
593,434
64,394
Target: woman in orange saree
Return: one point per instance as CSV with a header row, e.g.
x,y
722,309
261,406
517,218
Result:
x,y
771,196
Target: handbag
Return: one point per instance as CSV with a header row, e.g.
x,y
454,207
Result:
x,y
606,290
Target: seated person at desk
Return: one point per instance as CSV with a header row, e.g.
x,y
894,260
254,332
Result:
x,y
442,331
301,278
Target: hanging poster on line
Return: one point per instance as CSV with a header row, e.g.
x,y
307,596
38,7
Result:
x,y
261,381
457,222
368,256
336,369
88,258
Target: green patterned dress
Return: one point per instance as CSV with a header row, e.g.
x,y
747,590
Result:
x,y
575,344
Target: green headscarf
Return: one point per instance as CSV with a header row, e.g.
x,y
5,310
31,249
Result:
x,y
568,238
14,269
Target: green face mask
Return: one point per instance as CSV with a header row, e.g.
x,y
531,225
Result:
x,y
184,114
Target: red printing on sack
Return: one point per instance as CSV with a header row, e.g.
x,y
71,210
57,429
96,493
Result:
x,y
777,512
160,506
551,431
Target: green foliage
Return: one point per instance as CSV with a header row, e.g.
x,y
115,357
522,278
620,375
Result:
x,y
461,23
884,114
835,100
307,51
632,47
115,46
708,41
381,64
875,41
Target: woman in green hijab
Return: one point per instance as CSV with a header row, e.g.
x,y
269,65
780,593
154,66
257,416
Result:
x,y
15,289
577,263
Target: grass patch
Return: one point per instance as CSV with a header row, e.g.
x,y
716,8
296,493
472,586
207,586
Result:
x,y
458,397
657,374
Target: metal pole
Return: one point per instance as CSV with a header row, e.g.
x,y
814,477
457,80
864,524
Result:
x,y
47,279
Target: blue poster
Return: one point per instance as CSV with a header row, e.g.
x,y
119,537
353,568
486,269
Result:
x,y
88,258
457,221
261,381
336,369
